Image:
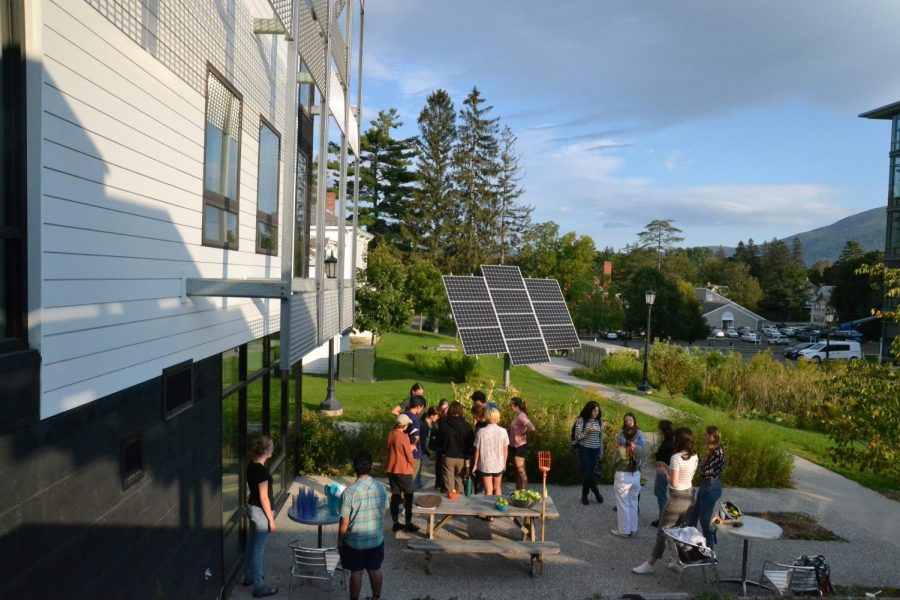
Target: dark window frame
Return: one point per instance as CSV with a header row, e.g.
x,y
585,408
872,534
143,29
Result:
x,y
131,476
169,372
214,199
264,218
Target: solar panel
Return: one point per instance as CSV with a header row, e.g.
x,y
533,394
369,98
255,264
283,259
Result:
x,y
511,301
552,314
503,277
524,326
527,351
482,340
466,288
474,314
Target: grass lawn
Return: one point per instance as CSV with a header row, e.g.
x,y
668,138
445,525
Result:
x,y
810,445
395,374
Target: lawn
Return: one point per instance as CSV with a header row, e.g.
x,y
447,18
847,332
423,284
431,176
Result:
x,y
395,375
810,445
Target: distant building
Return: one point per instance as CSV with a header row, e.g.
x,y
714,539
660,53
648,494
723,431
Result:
x,y
892,235
157,224
721,312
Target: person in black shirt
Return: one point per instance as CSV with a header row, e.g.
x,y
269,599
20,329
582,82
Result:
x,y
663,455
259,512
416,391
710,490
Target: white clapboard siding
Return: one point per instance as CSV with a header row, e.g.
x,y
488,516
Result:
x,y
122,192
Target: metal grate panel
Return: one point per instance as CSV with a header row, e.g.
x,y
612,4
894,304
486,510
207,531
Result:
x,y
330,315
301,338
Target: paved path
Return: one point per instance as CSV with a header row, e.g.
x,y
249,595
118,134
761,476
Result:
x,y
830,492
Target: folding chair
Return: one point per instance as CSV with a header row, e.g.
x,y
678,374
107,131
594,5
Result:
x,y
790,578
315,563
686,555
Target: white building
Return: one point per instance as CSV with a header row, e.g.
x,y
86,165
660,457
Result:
x,y
154,301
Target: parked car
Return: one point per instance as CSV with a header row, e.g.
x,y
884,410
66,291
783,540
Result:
x,y
717,333
750,337
624,335
777,339
788,331
808,336
731,333
608,335
793,351
744,329
770,331
850,334
835,351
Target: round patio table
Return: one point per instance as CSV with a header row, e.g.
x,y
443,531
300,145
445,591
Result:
x,y
753,528
322,517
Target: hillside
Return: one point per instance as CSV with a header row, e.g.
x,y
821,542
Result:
x,y
826,243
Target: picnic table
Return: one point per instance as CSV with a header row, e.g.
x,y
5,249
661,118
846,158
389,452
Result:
x,y
483,506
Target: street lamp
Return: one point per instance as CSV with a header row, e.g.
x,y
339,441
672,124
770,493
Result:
x,y
649,298
829,317
331,405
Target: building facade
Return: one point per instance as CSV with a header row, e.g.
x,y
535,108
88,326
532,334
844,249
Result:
x,y
719,311
156,302
891,112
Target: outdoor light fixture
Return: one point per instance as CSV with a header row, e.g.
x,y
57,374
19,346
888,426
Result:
x,y
829,318
331,266
649,298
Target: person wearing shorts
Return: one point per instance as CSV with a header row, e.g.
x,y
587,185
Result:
x,y
400,468
361,529
520,427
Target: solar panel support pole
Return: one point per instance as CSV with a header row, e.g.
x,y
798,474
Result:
x,y
506,366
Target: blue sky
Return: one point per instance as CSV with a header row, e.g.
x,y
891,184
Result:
x,y
734,119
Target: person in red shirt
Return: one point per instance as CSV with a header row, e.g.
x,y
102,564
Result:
x,y
399,470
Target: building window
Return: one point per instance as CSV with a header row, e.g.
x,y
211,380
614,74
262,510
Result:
x,y
222,160
178,389
895,137
303,207
892,248
131,461
267,189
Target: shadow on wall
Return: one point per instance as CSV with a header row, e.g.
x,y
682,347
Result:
x,y
68,528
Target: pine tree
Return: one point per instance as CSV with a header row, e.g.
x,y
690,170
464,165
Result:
x,y
514,218
659,235
476,167
431,219
385,177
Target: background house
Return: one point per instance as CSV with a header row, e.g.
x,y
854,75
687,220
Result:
x,y
719,311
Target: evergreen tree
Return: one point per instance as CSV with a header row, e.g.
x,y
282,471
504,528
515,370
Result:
x,y
514,218
385,176
431,220
855,293
476,168
659,235
783,281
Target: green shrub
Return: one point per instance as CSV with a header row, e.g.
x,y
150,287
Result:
x,y
454,365
619,368
328,446
752,460
674,366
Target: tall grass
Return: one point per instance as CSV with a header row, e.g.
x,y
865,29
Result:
x,y
620,368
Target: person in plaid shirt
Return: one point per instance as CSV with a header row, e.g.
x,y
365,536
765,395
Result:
x,y
361,530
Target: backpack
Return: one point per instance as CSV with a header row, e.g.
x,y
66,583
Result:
x,y
572,440
823,573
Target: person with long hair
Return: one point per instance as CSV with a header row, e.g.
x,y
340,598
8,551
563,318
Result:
x,y
627,465
587,437
260,515
679,474
434,443
663,455
491,452
629,420
455,439
710,490
415,391
519,428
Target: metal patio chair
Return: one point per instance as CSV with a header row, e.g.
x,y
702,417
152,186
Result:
x,y
793,579
686,555
315,563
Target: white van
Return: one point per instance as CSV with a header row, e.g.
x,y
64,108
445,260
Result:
x,y
837,350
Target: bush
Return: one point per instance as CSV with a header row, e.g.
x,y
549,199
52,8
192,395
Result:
x,y
454,365
674,366
753,461
619,368
328,447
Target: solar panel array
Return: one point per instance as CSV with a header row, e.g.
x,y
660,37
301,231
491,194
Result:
x,y
552,314
516,314
474,314
503,313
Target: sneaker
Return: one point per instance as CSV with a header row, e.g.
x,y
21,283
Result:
x,y
410,528
645,568
599,498
674,566
618,533
266,592
397,526
654,523
584,501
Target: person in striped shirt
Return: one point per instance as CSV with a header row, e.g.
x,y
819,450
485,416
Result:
x,y
587,439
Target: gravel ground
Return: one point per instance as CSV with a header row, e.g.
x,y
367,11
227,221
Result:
x,y
593,563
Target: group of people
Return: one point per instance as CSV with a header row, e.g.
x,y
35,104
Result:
x,y
480,448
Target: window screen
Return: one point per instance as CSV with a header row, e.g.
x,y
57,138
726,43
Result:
x,y
221,169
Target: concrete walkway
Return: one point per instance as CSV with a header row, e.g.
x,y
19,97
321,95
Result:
x,y
831,493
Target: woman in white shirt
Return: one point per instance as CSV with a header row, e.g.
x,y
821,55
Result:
x,y
491,450
679,473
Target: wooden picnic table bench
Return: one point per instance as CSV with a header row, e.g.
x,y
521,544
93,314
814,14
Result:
x,y
482,506
430,547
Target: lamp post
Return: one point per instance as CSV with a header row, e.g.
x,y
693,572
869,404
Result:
x,y
331,405
649,298
829,317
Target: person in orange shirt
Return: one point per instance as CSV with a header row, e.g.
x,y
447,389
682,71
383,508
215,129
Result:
x,y
399,470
